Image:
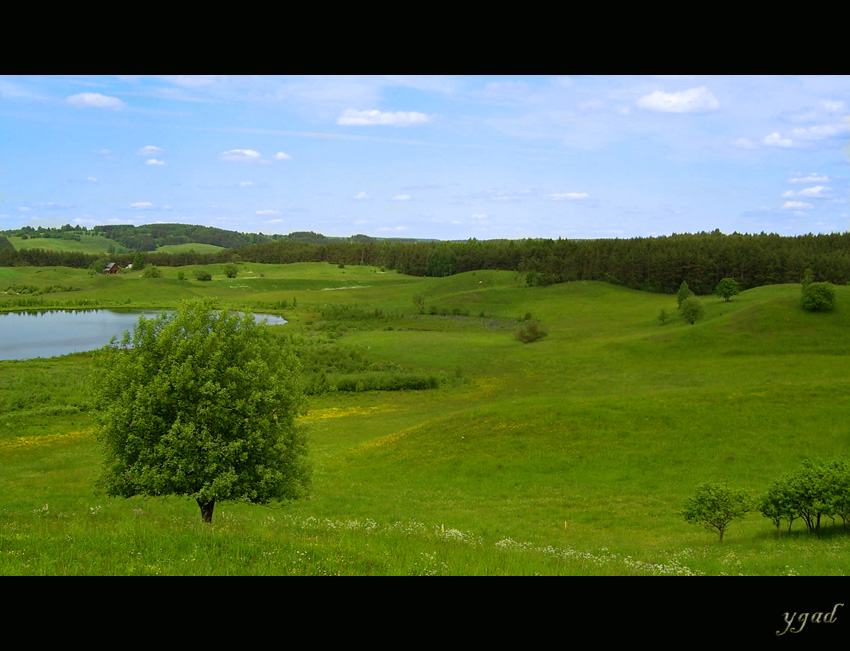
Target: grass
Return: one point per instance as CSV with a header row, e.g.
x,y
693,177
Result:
x,y
568,455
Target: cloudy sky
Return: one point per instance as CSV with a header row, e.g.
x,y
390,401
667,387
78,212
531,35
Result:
x,y
448,157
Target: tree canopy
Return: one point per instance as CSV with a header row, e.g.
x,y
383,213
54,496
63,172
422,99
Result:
x,y
201,403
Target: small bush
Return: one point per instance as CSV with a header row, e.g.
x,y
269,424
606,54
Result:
x,y
530,331
818,297
203,275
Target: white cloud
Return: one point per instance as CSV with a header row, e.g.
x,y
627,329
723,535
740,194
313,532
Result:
x,y
91,179
816,191
154,161
267,212
241,155
282,156
686,101
775,140
150,150
142,205
362,195
479,215
745,143
246,184
567,195
820,131
375,117
402,197
796,205
95,100
811,178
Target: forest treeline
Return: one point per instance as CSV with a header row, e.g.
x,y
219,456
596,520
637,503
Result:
x,y
656,264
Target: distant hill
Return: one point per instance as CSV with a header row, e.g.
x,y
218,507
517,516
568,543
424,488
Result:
x,y
164,238
150,237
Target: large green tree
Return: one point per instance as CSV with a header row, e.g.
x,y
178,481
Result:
x,y
201,403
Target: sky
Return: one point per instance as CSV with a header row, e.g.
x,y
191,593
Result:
x,y
429,156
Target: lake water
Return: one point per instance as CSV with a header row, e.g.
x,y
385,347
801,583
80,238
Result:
x,y
26,335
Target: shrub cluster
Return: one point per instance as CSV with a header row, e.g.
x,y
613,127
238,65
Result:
x,y
36,291
328,367
383,381
820,489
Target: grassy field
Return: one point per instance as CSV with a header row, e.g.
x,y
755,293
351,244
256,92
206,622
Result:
x,y
571,455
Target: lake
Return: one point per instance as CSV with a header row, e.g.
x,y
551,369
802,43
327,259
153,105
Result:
x,y
26,335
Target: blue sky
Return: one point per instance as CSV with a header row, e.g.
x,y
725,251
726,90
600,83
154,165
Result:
x,y
447,157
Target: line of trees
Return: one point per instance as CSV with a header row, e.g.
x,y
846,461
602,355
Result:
x,y
820,489
656,264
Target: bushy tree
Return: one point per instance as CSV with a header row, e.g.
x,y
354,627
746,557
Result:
x,y
691,309
818,297
727,288
230,270
200,403
715,506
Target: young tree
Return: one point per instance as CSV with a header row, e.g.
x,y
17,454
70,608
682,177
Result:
x,y
727,288
419,302
200,403
715,506
692,309
683,293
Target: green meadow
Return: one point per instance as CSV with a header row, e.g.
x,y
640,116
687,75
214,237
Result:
x,y
569,455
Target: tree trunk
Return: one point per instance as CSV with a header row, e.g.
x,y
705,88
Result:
x,y
206,510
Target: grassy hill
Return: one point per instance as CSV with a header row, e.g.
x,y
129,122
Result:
x,y
569,455
85,244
